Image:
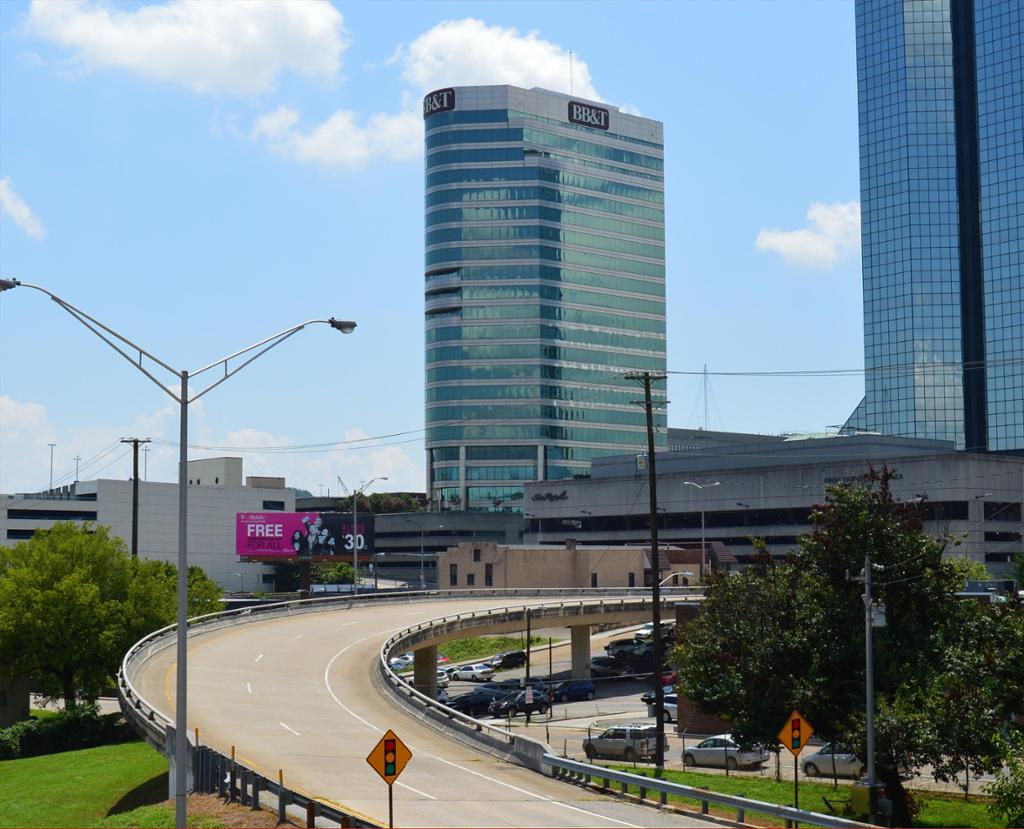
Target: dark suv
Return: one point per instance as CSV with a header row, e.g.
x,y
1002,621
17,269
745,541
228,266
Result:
x,y
509,659
574,689
517,703
476,702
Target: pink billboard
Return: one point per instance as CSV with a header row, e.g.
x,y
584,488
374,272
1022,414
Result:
x,y
311,535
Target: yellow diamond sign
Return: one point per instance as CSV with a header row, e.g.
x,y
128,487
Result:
x,y
389,757
795,733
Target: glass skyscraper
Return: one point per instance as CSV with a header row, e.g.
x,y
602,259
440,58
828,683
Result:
x,y
545,287
941,105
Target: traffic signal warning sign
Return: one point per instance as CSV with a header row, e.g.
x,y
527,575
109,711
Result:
x,y
389,757
795,733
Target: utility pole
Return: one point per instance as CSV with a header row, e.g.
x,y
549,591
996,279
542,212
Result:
x,y
145,466
869,683
51,445
652,485
135,491
77,459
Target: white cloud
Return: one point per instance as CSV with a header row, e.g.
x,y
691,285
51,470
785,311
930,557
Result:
x,y
21,214
469,52
210,47
832,235
343,140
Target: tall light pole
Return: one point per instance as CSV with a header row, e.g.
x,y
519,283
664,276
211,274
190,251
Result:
x,y
355,526
134,354
703,543
51,445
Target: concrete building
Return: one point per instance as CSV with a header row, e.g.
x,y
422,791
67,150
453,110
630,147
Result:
x,y
501,566
216,493
942,202
767,488
544,283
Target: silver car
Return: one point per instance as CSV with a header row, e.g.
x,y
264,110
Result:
x,y
720,751
833,758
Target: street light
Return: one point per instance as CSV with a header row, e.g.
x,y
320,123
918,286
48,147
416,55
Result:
x,y
134,354
241,581
702,541
355,530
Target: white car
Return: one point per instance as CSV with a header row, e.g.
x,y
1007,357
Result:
x,y
721,751
442,679
474,673
400,663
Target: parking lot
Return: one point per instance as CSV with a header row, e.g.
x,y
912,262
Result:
x,y
617,702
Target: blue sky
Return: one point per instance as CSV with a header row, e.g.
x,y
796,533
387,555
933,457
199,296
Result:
x,y
201,175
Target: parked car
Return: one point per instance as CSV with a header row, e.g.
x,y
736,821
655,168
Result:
x,y
473,673
605,666
509,659
441,659
574,689
443,679
833,757
516,703
670,677
668,629
400,663
626,742
720,751
648,697
475,703
620,647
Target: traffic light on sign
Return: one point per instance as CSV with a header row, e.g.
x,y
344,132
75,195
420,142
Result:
x,y
389,757
795,733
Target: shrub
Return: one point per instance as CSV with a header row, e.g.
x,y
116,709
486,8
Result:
x,y
81,727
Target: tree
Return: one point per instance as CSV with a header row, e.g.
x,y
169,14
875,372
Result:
x,y
791,634
1018,570
332,572
968,569
72,601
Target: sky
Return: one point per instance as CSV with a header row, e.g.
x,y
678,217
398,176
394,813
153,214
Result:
x,y
200,175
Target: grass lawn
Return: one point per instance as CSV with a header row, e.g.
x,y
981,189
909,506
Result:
x,y
78,788
43,713
936,808
153,817
478,647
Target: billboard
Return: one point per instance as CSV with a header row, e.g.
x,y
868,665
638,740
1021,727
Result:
x,y
315,536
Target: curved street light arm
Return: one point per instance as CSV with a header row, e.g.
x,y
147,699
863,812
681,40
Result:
x,y
98,327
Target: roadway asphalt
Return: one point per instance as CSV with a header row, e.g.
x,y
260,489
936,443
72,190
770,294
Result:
x,y
298,694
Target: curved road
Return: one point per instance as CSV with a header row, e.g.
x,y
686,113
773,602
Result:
x,y
298,694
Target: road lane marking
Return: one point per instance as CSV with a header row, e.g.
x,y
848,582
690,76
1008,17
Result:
x,y
295,637
346,624
289,728
258,658
370,725
248,687
416,791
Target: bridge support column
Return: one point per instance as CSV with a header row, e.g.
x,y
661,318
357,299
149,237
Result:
x,y
580,644
424,670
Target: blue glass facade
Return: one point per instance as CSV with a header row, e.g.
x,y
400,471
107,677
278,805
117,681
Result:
x,y
942,168
545,286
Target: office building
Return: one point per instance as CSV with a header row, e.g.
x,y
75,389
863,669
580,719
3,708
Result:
x,y
545,285
735,490
941,104
216,494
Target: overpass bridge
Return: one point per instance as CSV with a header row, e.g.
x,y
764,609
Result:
x,y
303,688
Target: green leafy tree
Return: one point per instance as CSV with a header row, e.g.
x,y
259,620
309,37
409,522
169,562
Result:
x,y
791,634
968,569
1007,791
1018,570
72,601
332,572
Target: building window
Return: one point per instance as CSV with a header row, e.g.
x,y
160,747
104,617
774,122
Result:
x,y
470,579
632,579
476,554
453,575
488,575
593,579
269,505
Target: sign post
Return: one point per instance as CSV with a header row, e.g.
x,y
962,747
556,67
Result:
x,y
388,758
794,736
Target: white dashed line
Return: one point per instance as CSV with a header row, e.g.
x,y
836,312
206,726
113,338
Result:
x,y
248,687
289,728
295,637
258,658
417,791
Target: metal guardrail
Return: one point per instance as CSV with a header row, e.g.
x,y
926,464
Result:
x,y
587,773
210,768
